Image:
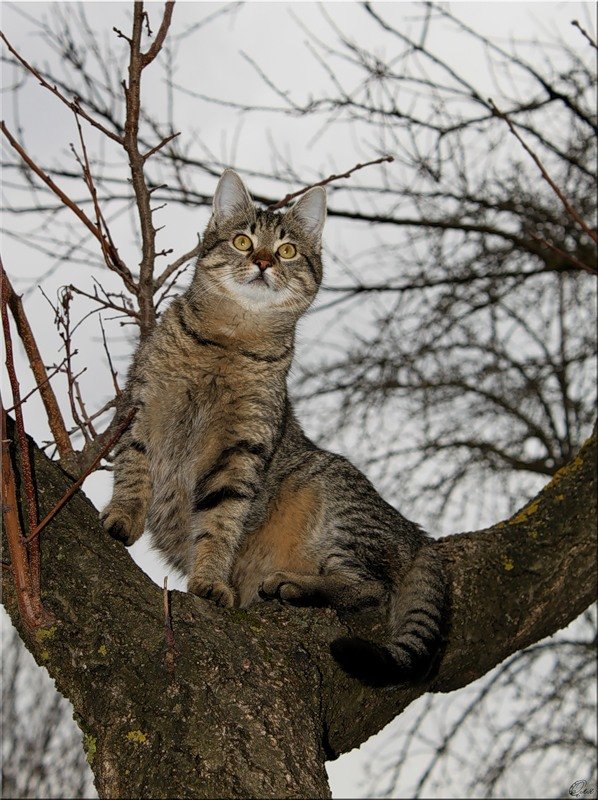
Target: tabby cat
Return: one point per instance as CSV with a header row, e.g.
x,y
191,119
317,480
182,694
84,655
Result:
x,y
236,496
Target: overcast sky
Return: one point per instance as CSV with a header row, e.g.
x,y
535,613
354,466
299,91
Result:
x,y
211,62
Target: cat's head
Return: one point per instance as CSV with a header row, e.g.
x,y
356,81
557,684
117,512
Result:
x,y
264,261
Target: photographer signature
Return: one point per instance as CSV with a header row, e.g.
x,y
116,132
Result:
x,y
581,789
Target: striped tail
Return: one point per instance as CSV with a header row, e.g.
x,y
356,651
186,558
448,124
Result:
x,y
417,619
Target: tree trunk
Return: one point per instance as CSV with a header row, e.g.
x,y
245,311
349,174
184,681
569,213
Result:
x,y
249,703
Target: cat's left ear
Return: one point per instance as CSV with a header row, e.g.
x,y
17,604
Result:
x,y
231,198
310,211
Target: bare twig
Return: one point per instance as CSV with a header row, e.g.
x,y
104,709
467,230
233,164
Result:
x,y
584,33
110,364
35,389
329,179
137,63
119,266
86,419
171,649
120,34
72,104
105,303
50,183
160,145
71,491
63,323
55,418
156,45
567,206
111,257
161,279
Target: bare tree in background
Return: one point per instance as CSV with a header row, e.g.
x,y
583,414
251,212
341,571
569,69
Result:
x,y
41,746
475,337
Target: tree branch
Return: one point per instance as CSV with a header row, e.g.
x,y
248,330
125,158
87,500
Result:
x,y
240,674
137,63
55,419
72,104
566,204
287,198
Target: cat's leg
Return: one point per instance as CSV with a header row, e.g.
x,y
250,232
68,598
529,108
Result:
x,y
221,502
336,589
124,516
168,518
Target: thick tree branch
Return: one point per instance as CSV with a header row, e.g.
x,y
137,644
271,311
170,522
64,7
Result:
x,y
257,689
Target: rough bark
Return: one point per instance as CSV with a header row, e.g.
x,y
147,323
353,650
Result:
x,y
255,704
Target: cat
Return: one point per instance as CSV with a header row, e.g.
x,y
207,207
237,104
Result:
x,y
236,496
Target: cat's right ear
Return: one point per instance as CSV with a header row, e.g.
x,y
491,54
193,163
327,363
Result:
x,y
310,211
231,198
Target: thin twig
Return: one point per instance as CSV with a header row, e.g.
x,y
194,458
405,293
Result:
x,y
36,388
568,207
156,45
113,372
71,491
161,279
104,303
83,408
171,649
55,418
63,323
160,145
112,258
50,183
72,104
584,33
329,179
69,203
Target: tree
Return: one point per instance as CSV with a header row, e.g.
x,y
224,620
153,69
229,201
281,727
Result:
x,y
37,746
467,287
249,703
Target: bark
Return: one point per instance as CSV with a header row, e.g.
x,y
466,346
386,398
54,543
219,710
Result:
x,y
254,704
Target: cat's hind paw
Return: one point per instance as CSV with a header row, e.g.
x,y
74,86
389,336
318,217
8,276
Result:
x,y
216,591
288,588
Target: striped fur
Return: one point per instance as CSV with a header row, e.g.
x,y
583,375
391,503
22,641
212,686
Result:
x,y
234,494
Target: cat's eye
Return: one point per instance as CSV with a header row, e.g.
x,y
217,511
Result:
x,y
287,250
242,242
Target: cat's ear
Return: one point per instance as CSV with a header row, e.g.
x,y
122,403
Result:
x,y
310,211
231,198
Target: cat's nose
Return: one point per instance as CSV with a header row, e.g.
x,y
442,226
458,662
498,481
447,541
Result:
x,y
263,263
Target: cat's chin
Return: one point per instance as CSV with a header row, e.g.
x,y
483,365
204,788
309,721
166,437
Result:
x,y
256,294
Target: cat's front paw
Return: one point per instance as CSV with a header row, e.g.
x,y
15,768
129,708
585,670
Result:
x,y
123,526
216,591
282,586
